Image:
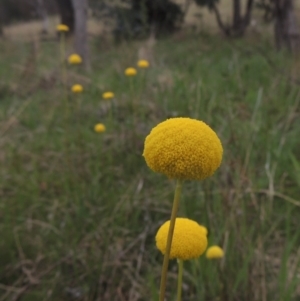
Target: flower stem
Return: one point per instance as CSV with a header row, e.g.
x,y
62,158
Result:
x,y
164,271
179,283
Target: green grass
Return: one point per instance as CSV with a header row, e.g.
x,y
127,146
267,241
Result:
x,y
79,210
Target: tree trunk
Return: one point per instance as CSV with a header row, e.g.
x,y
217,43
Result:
x,y
236,22
66,11
43,14
239,22
81,36
286,30
1,18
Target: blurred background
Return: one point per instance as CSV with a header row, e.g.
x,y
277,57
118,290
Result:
x,y
79,209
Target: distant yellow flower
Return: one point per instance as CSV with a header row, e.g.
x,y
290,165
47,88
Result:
x,y
130,72
183,148
77,88
214,252
108,95
62,28
189,239
75,59
143,64
99,128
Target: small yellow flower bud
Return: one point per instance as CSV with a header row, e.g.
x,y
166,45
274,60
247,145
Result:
x,y
99,128
108,95
130,71
143,64
214,252
77,88
74,59
62,28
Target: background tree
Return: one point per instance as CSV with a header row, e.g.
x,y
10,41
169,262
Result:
x,y
286,29
66,11
240,21
81,38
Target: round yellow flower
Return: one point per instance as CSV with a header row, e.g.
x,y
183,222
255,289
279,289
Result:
x,y
99,128
77,88
62,28
214,252
108,95
189,239
143,64
75,59
183,148
130,72
204,229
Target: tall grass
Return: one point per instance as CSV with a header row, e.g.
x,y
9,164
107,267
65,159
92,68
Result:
x,y
94,238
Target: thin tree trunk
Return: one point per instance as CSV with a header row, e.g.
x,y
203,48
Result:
x,y
239,22
43,14
81,36
236,22
66,13
286,30
1,19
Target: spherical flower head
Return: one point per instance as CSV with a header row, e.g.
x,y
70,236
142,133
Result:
x,y
99,128
130,71
77,88
143,64
189,239
108,95
75,59
214,252
62,28
183,148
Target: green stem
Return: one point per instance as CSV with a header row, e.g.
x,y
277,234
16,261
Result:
x,y
169,241
64,72
179,283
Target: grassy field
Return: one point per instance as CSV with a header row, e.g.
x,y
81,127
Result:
x,y
79,210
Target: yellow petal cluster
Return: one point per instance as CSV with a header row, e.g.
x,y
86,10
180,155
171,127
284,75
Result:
x,y
130,71
62,28
77,88
183,148
108,95
143,64
99,128
74,59
214,252
189,239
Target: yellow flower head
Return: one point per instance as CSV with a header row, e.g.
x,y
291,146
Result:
x,y
62,28
77,89
183,148
204,229
143,64
75,59
130,72
99,128
214,252
189,239
108,95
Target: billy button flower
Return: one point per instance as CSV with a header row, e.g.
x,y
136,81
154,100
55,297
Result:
x,y
62,28
99,128
214,252
77,89
108,95
143,64
130,72
74,59
182,149
189,242
189,239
